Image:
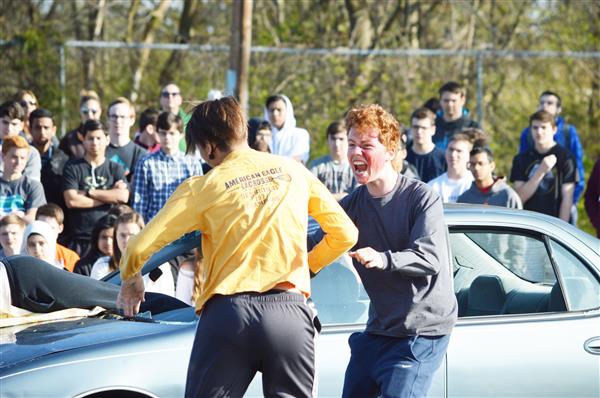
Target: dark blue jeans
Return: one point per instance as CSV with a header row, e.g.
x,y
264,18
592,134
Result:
x,y
392,366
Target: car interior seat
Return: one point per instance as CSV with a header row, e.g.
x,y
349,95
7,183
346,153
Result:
x,y
486,296
556,302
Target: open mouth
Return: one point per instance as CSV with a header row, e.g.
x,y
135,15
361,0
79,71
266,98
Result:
x,y
359,166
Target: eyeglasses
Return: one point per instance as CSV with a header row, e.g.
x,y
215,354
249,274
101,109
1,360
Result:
x,y
27,103
87,110
166,94
471,165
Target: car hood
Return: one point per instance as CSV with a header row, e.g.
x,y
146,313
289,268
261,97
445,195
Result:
x,y
19,344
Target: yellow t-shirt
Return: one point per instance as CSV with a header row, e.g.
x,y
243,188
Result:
x,y
253,213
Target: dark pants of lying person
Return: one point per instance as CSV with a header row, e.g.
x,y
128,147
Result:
x,y
39,287
240,334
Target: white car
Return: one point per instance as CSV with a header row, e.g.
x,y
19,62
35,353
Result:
x,y
528,288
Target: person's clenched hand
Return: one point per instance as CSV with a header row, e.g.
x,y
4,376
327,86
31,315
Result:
x,y
368,257
131,295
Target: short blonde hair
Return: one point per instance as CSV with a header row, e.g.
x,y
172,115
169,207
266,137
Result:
x,y
11,219
125,101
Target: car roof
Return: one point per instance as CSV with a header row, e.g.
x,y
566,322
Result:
x,y
455,215
458,214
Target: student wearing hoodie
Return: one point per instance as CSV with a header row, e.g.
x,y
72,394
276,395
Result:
x,y
39,241
288,140
486,188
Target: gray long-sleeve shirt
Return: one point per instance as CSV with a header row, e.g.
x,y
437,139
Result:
x,y
500,194
413,294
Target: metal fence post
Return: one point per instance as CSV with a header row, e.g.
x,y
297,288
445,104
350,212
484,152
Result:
x,y
63,101
479,63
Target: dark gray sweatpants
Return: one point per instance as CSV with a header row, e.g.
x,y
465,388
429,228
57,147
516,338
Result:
x,y
238,335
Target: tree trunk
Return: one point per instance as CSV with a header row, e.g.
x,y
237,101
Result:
x,y
75,18
96,24
362,35
470,40
239,55
245,43
133,9
156,19
169,72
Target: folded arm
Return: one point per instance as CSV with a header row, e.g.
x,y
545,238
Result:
x,y
79,200
117,194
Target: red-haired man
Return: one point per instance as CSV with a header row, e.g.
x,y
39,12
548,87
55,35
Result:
x,y
402,259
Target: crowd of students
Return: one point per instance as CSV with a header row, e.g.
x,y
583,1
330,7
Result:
x,y
116,201
75,201
444,147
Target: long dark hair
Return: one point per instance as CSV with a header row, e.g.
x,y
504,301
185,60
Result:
x,y
125,218
85,263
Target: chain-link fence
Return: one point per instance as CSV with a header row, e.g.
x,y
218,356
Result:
x,y
503,86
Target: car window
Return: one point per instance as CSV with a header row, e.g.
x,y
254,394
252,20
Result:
x,y
495,273
524,256
502,273
339,295
581,288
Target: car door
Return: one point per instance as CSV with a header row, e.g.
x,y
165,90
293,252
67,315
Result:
x,y
343,305
528,316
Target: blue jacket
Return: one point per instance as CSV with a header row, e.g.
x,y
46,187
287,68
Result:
x,y
574,146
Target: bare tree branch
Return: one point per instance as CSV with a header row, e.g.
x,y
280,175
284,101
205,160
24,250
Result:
x,y
75,19
133,9
266,23
157,16
51,11
511,31
384,27
188,14
99,22
95,28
